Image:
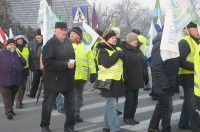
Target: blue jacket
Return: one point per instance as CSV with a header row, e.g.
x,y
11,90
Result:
x,y
11,68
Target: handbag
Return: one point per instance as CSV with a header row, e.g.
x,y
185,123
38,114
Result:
x,y
104,84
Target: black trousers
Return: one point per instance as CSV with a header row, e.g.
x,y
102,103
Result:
x,y
35,83
163,111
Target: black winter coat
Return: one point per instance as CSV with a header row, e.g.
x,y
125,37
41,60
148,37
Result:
x,y
117,88
58,78
36,50
164,73
134,67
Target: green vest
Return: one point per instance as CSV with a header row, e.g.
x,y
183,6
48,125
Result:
x,y
84,62
25,53
190,56
197,72
115,72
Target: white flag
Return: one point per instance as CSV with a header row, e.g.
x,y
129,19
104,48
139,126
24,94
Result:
x,y
169,43
89,36
46,21
10,33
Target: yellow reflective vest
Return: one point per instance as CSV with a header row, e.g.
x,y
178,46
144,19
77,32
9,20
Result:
x,y
115,72
143,41
84,62
193,46
197,72
25,53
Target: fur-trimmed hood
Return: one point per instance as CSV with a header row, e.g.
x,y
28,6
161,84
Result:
x,y
20,35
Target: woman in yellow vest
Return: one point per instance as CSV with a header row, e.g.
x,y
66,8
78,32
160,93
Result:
x,y
110,63
23,49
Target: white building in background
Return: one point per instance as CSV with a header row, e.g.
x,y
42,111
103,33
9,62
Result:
x,y
26,11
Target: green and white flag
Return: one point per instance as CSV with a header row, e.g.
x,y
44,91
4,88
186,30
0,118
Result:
x,y
46,21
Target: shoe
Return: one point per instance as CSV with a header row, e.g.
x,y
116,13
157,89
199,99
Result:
x,y
61,111
106,130
185,126
119,112
136,122
10,115
146,89
30,96
182,97
70,130
78,118
14,114
45,129
129,121
153,130
19,106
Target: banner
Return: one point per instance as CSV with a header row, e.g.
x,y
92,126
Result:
x,y
89,36
46,21
169,43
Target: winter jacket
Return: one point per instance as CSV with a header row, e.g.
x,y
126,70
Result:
x,y
117,87
11,68
58,78
164,73
36,50
134,67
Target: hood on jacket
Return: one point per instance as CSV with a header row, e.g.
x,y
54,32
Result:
x,y
20,35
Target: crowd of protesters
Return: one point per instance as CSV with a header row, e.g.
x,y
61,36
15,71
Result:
x,y
120,64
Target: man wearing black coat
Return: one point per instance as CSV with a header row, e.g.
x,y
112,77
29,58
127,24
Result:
x,y
58,77
165,83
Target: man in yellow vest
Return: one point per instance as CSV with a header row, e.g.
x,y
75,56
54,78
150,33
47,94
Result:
x,y
23,49
189,118
84,64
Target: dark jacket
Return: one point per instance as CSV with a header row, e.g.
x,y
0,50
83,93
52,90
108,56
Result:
x,y
30,59
117,88
186,80
134,67
164,73
11,68
36,50
58,78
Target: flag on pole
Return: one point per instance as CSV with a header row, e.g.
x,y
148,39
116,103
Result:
x,y
46,20
151,35
95,22
2,37
10,33
6,37
89,36
62,17
157,12
169,43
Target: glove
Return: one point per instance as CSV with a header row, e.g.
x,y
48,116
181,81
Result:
x,y
120,53
92,78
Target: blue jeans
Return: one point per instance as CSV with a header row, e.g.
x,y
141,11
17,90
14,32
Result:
x,y
188,113
59,102
69,107
131,103
111,117
163,110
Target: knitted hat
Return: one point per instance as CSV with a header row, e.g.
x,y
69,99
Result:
x,y
60,25
9,41
137,31
78,31
130,37
38,32
191,25
20,35
108,34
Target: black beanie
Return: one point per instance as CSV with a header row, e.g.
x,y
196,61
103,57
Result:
x,y
109,34
191,25
61,25
38,32
78,31
137,31
9,41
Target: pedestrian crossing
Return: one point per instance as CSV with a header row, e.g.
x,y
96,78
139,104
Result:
x,y
93,113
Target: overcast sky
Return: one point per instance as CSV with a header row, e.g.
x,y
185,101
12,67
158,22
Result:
x,y
145,3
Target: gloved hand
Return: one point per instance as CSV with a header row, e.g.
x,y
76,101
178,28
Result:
x,y
92,78
120,53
